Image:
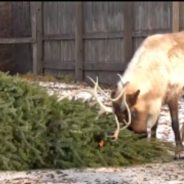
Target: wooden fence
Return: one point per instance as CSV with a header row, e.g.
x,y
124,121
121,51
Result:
x,y
92,38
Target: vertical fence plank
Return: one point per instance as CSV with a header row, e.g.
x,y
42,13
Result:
x,y
37,47
128,30
79,49
175,16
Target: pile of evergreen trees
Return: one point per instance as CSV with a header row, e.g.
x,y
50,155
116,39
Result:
x,y
36,132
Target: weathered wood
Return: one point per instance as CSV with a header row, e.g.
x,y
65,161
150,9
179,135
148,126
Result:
x,y
21,19
39,38
121,34
153,15
79,48
99,36
71,37
143,33
182,15
128,29
21,28
36,10
6,56
62,37
69,65
110,67
102,33
54,64
16,40
103,16
175,16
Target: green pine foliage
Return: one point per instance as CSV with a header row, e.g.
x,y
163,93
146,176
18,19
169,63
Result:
x,y
36,132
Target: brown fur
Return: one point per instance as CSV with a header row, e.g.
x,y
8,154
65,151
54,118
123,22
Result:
x,y
157,71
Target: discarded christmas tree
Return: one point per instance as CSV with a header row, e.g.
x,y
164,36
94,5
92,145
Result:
x,y
37,131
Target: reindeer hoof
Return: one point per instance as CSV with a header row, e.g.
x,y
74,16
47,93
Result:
x,y
179,152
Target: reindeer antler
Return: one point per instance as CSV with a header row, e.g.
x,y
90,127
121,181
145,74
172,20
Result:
x,y
103,108
98,85
122,91
107,109
118,129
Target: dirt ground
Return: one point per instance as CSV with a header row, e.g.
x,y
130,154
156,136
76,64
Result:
x,y
168,173
159,173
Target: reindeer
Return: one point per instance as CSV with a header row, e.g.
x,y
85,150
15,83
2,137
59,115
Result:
x,y
154,77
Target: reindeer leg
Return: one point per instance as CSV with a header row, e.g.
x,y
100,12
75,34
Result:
x,y
149,133
154,129
152,119
182,133
173,108
152,125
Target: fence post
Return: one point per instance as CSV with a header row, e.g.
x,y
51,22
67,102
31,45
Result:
x,y
37,49
79,49
175,16
128,31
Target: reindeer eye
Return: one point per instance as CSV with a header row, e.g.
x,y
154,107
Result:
x,y
134,113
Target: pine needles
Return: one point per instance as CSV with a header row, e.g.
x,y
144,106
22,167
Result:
x,y
36,132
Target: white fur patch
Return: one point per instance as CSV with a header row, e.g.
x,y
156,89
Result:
x,y
153,65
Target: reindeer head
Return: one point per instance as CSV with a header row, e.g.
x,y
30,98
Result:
x,y
122,106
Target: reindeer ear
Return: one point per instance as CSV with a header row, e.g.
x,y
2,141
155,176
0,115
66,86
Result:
x,y
132,98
